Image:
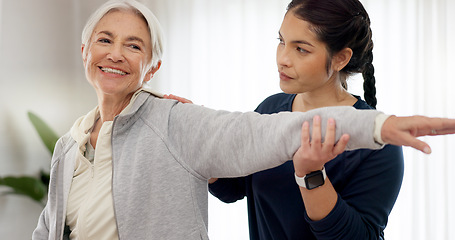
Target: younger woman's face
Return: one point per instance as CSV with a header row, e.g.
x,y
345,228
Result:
x,y
301,57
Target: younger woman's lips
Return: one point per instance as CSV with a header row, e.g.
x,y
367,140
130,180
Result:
x,y
284,77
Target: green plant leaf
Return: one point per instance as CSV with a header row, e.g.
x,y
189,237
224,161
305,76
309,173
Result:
x,y
28,186
46,134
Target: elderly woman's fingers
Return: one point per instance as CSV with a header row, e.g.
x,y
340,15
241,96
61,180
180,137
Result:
x,y
403,131
411,141
440,126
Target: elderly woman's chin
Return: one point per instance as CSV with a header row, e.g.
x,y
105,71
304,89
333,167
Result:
x,y
115,86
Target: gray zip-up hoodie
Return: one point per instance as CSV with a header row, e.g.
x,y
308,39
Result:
x,y
164,152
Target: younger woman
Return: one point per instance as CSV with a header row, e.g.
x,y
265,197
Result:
x,y
321,43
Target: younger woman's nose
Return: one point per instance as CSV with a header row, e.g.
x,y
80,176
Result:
x,y
282,57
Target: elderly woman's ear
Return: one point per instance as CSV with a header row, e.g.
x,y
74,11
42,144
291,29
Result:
x,y
82,52
152,71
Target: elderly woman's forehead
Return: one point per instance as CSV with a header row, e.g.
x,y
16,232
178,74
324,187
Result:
x,y
126,10
96,28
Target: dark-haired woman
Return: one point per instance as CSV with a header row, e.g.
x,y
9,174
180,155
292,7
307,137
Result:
x,y
321,43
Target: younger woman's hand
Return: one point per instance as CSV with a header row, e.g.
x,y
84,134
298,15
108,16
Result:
x,y
180,99
312,155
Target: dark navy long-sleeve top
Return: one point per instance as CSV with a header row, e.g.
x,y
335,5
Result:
x,y
367,183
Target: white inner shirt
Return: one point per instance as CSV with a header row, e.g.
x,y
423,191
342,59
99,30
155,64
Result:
x,y
90,211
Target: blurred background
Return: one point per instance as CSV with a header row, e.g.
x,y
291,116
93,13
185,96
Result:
x,y
221,54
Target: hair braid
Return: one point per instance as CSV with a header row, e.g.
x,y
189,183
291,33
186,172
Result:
x,y
369,82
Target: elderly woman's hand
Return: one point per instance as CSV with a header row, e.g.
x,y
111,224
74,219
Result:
x,y
180,99
405,130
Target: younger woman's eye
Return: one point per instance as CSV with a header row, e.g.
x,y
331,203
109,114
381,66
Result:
x,y
281,40
301,50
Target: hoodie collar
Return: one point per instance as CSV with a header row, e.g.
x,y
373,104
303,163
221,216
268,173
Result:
x,y
80,131
137,101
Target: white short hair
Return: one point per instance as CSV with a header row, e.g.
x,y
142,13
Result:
x,y
156,33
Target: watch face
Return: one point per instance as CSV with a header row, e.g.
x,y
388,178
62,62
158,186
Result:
x,y
314,180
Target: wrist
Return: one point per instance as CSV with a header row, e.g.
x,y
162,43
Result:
x,y
311,180
301,172
378,128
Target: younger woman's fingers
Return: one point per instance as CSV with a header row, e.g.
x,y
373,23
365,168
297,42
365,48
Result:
x,y
330,135
341,144
316,135
305,136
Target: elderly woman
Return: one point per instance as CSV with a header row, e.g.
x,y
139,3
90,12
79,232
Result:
x,y
136,166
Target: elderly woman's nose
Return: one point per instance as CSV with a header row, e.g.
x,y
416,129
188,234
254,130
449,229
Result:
x,y
116,53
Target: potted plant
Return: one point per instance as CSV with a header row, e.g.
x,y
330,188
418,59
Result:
x,y
35,187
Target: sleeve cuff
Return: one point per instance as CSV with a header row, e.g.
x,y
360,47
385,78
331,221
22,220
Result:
x,y
379,121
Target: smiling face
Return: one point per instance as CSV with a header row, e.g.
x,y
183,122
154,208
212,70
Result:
x,y
119,55
301,58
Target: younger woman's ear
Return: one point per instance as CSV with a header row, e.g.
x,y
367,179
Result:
x,y
341,59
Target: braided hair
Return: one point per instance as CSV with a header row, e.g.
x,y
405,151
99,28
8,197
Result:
x,y
343,24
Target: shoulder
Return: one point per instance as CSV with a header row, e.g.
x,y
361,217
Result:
x,y
147,107
361,104
276,103
63,145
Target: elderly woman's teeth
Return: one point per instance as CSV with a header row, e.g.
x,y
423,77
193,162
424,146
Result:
x,y
110,70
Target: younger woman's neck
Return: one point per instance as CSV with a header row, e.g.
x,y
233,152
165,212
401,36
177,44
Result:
x,y
337,96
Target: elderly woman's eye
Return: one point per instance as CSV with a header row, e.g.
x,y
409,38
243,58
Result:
x,y
104,40
134,46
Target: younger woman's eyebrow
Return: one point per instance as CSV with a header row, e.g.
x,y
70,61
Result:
x,y
298,41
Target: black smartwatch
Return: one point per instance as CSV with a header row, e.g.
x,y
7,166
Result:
x,y
312,180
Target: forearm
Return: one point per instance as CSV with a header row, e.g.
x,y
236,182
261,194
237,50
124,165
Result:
x,y
368,183
344,223
319,202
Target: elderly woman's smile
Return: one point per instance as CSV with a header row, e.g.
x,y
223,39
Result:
x,y
111,70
